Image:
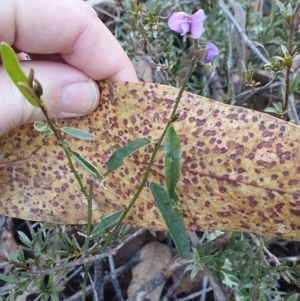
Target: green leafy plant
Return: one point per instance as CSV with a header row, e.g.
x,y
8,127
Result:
x,y
245,268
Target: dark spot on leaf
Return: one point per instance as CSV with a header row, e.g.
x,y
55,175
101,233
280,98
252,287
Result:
x,y
295,212
266,164
209,133
252,201
224,213
293,182
233,116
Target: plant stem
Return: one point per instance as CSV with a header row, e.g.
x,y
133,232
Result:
x,y
59,137
87,240
88,196
156,148
290,53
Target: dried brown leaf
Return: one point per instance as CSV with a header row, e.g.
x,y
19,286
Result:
x,y
187,284
240,168
154,257
143,69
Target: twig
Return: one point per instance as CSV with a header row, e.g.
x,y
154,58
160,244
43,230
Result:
x,y
155,58
289,258
219,295
229,61
204,288
260,89
247,92
194,239
272,258
258,54
176,263
114,279
293,26
98,281
93,287
290,51
159,278
220,242
107,278
241,32
174,286
38,297
214,84
85,260
66,281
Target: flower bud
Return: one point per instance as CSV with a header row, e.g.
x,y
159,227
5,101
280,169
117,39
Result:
x,y
288,61
212,52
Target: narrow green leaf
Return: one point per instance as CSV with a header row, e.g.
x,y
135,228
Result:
x,y
289,9
195,271
12,67
54,297
277,106
5,253
78,133
118,157
281,6
172,153
270,110
152,232
87,165
24,238
293,297
107,222
285,277
9,279
48,131
40,126
173,220
284,50
294,83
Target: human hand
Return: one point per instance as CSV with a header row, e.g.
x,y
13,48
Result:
x,y
69,48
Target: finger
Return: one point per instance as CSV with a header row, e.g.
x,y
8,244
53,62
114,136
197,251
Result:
x,y
68,92
70,28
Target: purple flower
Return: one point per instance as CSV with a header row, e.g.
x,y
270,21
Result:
x,y
211,53
183,23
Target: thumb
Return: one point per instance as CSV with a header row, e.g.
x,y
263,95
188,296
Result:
x,y
68,92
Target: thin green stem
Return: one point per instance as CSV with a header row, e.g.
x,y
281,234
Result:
x,y
88,196
85,278
156,148
89,225
59,137
87,240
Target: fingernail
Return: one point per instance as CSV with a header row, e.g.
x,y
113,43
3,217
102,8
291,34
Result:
x,y
79,98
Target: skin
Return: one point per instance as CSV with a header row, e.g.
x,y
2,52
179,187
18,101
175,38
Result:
x,y
67,44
